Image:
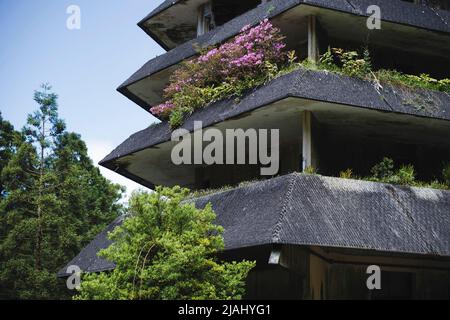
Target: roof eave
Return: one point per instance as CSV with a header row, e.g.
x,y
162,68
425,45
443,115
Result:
x,y
310,223
155,38
356,6
230,29
162,7
291,85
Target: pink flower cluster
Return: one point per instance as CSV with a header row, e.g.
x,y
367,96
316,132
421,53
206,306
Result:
x,y
241,58
244,56
162,109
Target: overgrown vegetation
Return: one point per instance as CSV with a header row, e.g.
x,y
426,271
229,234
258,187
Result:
x,y
257,56
359,64
167,250
249,60
386,172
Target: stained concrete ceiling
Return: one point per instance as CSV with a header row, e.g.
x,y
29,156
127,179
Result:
x,y
154,164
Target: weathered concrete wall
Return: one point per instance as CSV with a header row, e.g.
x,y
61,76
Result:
x,y
318,278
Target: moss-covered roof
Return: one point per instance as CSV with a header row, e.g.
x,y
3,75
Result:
x,y
311,210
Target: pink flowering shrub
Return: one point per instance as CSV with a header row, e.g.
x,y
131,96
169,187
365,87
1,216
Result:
x,y
162,109
247,60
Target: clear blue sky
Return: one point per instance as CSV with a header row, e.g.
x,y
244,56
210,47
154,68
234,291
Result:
x,y
84,66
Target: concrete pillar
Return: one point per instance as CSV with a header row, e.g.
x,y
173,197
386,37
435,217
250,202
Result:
x,y
313,39
201,27
204,18
309,153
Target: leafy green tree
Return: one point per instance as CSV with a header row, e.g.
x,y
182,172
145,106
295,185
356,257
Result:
x,y
9,140
54,201
167,250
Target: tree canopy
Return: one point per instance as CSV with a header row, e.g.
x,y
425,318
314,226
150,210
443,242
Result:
x,y
53,202
166,249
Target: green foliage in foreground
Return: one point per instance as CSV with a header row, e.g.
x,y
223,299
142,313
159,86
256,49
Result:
x,y
167,249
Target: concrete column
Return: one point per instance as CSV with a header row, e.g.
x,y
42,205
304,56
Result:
x,y
313,39
204,18
306,140
309,154
201,27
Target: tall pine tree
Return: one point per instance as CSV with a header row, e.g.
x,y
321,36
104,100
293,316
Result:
x,y
54,201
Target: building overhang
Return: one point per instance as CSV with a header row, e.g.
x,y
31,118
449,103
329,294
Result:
x,y
336,100
174,22
315,212
420,29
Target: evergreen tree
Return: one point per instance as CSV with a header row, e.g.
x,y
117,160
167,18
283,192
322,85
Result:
x,y
9,139
43,129
55,200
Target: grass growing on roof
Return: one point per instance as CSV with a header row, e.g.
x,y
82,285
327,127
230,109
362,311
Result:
x,y
255,57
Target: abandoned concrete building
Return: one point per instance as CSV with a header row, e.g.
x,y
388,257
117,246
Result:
x,y
313,235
